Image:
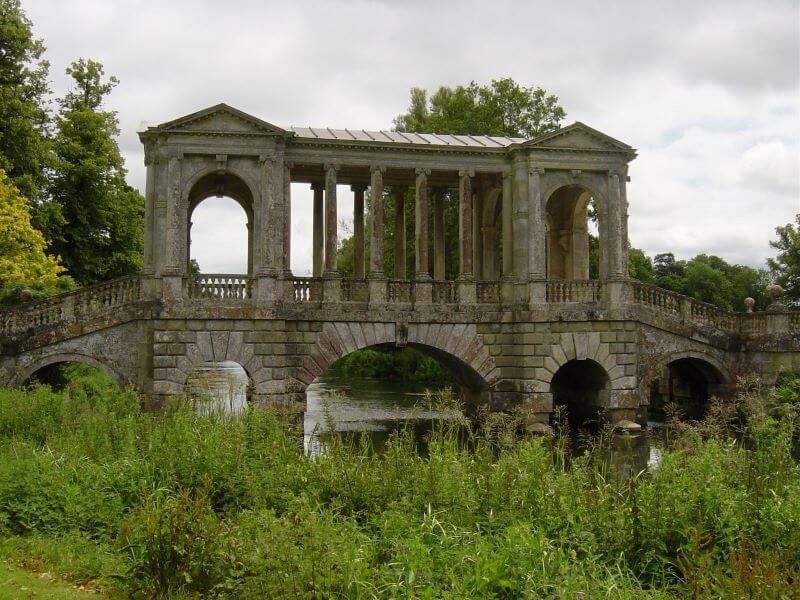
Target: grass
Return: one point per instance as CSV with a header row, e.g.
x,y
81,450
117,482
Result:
x,y
19,584
176,505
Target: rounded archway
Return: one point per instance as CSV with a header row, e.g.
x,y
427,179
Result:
x,y
59,369
567,232
685,383
218,388
220,225
582,388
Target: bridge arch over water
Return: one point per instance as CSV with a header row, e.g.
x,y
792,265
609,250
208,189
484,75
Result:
x,y
104,366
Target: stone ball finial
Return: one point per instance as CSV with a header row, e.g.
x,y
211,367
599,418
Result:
x,y
749,303
775,294
25,295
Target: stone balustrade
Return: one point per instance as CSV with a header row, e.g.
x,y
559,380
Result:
x,y
86,303
581,291
70,307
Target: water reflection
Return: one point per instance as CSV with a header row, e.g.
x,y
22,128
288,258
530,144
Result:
x,y
218,388
378,407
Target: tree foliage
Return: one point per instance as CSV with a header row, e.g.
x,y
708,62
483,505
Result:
x,y
24,153
22,248
785,267
95,219
502,108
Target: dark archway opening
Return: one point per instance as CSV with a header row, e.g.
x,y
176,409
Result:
x,y
65,374
581,388
685,385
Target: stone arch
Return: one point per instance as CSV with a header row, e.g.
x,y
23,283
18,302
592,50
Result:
x,y
228,182
566,198
583,346
457,346
29,370
715,374
219,346
582,387
490,234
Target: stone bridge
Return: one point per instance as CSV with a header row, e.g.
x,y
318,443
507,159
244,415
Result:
x,y
520,325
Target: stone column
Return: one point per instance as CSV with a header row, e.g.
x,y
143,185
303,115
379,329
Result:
x,y
376,239
399,194
466,287
489,243
263,214
477,233
175,258
519,187
331,221
439,252
422,269
377,284
507,289
332,285
358,231
537,239
148,268
318,229
287,219
617,263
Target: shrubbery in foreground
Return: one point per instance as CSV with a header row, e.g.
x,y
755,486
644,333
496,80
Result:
x,y
180,505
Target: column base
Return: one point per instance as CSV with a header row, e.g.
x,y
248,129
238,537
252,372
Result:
x,y
467,292
267,290
423,291
537,292
172,287
332,287
377,290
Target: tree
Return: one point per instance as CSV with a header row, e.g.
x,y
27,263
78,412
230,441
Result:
x,y
22,248
502,108
640,266
96,218
24,148
785,267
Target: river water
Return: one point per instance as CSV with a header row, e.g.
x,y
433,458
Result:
x,y
378,407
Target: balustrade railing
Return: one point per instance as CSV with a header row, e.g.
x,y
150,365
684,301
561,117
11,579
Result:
x,y
661,299
794,322
568,291
67,307
355,290
710,315
444,292
752,323
221,287
488,292
400,290
307,289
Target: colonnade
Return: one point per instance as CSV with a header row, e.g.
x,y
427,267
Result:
x,y
478,244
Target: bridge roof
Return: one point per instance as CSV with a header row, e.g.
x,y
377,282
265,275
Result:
x,y
403,137
222,119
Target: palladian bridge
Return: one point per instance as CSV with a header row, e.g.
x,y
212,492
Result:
x,y
521,325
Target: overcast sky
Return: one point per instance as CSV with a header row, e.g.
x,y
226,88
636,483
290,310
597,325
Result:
x,y
708,92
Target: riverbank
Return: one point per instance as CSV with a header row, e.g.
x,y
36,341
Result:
x,y
176,504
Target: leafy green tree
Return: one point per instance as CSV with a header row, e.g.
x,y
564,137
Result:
x,y
22,248
501,108
785,267
96,218
24,152
640,266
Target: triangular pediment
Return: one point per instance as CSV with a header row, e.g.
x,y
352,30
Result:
x,y
578,136
222,119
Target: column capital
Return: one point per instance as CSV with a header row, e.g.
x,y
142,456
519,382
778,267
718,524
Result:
x,y
332,166
422,171
358,187
536,170
317,185
262,158
613,174
376,167
288,164
466,173
506,175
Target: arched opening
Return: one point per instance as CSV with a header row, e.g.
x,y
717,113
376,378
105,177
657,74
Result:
x,y
567,229
685,384
383,387
491,236
582,388
218,388
64,372
220,228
